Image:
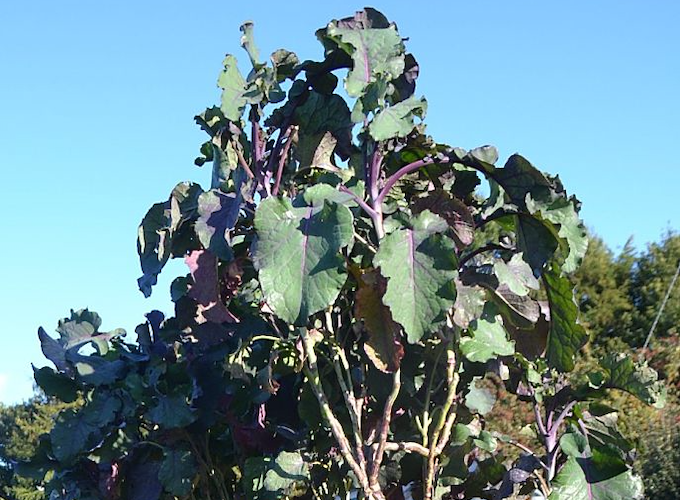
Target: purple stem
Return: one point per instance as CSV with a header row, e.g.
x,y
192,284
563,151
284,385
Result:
x,y
564,414
551,440
282,162
359,201
407,169
375,177
539,421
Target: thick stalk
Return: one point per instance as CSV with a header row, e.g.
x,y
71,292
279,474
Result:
x,y
384,428
442,431
350,403
312,373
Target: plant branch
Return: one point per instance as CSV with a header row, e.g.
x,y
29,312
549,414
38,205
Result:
x,y
358,200
407,169
485,248
563,414
385,427
282,161
312,372
374,188
243,162
539,420
350,403
442,431
408,447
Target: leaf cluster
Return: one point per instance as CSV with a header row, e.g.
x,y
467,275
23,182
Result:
x,y
348,291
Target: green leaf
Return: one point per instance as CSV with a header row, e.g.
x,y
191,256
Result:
x,y
217,216
478,399
488,339
297,254
382,346
377,53
285,63
469,304
172,412
622,372
563,214
420,265
83,328
516,275
265,478
77,432
177,471
593,474
454,211
56,384
225,162
205,288
536,242
566,336
96,370
548,219
248,43
397,120
233,88
161,225
486,441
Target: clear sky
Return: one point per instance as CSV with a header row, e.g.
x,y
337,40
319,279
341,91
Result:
x,y
97,101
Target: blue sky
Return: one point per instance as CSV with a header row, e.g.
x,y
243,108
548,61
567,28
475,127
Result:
x,y
97,100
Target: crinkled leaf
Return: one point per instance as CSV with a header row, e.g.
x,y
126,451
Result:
x,y
297,254
593,474
285,63
81,328
56,384
177,471
171,412
548,219
265,478
456,213
531,342
420,265
383,345
205,288
233,88
376,53
563,214
320,114
469,303
405,85
217,216
488,339
225,162
622,372
248,42
478,399
397,120
79,431
160,226
516,275
566,335
96,370
520,311
53,350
